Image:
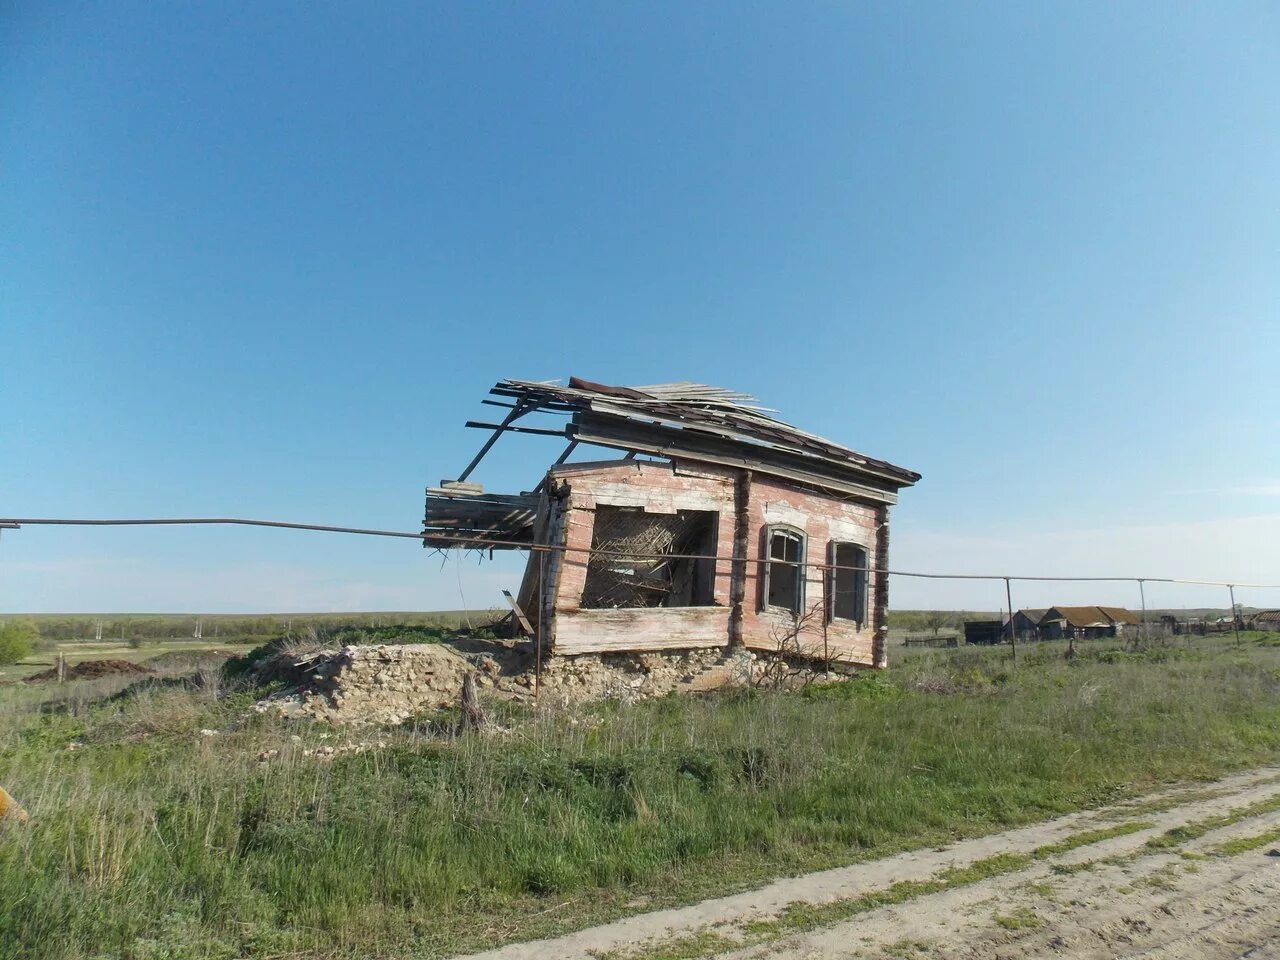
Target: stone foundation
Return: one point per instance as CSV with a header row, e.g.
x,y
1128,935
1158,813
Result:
x,y
636,676
389,684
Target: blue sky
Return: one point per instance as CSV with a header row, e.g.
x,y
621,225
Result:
x,y
265,259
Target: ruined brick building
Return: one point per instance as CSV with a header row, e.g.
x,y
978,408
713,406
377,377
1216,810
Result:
x,y
717,526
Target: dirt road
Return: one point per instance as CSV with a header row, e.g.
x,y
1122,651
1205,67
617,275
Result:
x,y
1186,873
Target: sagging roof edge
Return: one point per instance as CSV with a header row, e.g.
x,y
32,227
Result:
x,y
677,422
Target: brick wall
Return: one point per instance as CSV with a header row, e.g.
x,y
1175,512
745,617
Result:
x,y
822,519
667,488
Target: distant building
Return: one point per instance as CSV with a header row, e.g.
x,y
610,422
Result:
x,y
983,632
1025,624
1060,623
1265,620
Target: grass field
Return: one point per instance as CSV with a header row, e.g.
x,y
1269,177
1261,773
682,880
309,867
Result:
x,y
95,650
154,837
233,628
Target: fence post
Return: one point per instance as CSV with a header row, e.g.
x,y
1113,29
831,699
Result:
x,y
542,618
1013,633
1235,621
1142,627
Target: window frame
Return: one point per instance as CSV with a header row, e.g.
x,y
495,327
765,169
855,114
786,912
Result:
x,y
861,587
799,536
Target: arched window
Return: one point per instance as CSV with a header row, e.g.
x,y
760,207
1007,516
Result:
x,y
784,569
846,587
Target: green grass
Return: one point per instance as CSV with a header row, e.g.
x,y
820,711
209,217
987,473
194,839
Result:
x,y
1244,844
1024,918
237,627
152,840
106,650
1197,829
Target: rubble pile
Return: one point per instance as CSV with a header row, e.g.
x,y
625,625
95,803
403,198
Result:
x,y
385,684
389,684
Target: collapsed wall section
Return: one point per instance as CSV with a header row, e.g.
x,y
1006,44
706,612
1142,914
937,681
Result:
x,y
617,590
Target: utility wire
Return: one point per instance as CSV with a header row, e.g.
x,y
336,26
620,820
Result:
x,y
479,543
187,521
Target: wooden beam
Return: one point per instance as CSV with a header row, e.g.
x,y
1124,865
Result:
x,y
741,546
515,607
519,410
542,407
637,629
880,593
506,428
451,488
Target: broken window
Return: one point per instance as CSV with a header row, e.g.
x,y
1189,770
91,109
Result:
x,y
784,571
642,559
848,587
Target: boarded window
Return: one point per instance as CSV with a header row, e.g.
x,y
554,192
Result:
x,y
784,571
848,587
643,559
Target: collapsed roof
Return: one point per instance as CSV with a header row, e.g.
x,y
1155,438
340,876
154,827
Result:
x,y
689,422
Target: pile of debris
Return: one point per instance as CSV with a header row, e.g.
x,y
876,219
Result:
x,y
389,684
90,670
382,684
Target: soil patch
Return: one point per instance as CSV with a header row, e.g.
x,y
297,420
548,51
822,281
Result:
x,y
90,670
189,659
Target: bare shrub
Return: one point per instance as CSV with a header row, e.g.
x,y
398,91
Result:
x,y
793,662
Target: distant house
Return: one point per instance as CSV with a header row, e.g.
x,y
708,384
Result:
x,y
1025,624
1265,620
1060,623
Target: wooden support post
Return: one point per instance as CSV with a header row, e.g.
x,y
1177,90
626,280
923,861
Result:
x,y
542,620
472,715
880,642
519,613
738,565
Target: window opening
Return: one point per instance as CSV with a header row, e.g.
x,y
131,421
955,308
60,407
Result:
x,y
638,563
848,590
784,573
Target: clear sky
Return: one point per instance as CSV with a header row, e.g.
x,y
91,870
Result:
x,y
265,259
